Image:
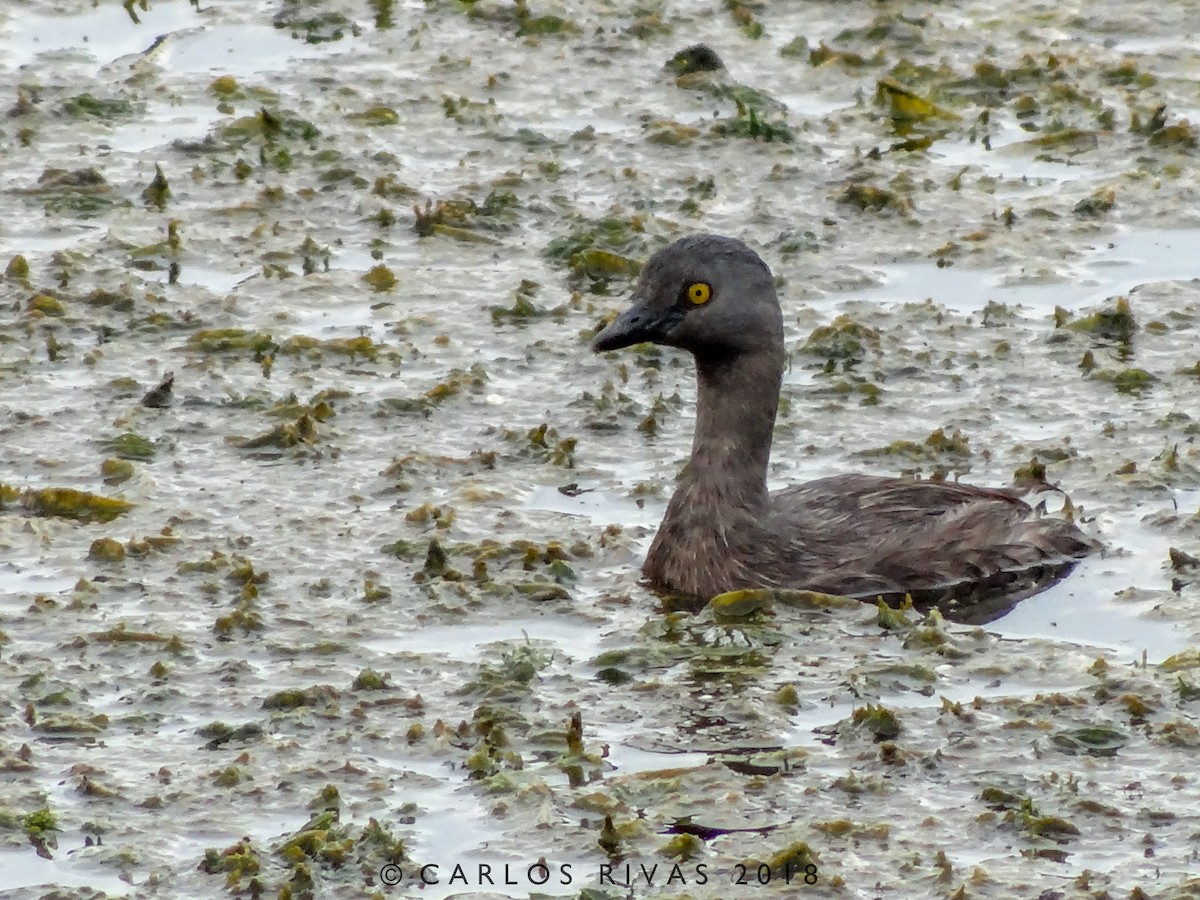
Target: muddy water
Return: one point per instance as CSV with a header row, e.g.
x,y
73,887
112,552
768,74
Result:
x,y
363,592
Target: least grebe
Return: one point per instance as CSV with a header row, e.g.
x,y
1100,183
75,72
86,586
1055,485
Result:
x,y
857,535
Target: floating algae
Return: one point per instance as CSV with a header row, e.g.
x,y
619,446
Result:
x,y
67,503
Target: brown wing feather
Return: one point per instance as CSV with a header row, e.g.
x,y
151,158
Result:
x,y
895,536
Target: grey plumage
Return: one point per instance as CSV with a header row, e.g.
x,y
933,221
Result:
x,y
857,535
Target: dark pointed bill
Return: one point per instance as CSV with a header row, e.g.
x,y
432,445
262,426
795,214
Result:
x,y
641,322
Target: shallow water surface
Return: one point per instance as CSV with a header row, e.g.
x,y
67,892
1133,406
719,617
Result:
x,y
23,869
376,600
1116,265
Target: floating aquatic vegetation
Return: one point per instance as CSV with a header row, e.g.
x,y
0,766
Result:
x,y
224,340
66,503
906,107
476,113
871,197
518,16
97,108
319,695
699,190
81,192
215,562
235,862
1182,561
789,865
799,599
890,619
880,721
669,133
117,301
40,827
342,174
657,414
742,14
435,565
266,125
158,193
867,392
313,25
106,550
1097,204
1032,474
797,48
370,680
998,797
380,278
63,724
614,676
696,58
742,604
1128,74
1094,740
1126,381
17,270
116,471
130,446
221,733
1054,827
529,24
995,314
846,827
161,254
45,305
119,634
518,665
454,219
931,634
620,235
955,443
610,839
243,617
544,443
716,83
243,573
1156,121
548,563
152,543
1069,140
457,381
682,847
490,759
748,124
1178,662
225,86
289,434
894,28
1186,691
376,116
844,340
523,306
824,55
599,267
539,592
1179,136
159,397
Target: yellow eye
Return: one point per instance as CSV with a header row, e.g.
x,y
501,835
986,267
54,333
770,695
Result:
x,y
699,293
